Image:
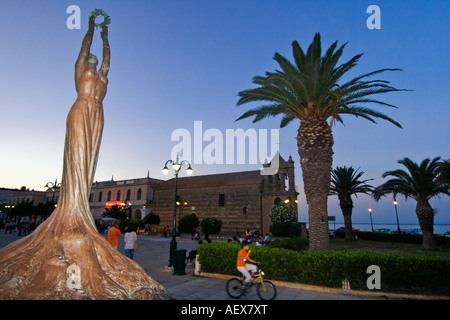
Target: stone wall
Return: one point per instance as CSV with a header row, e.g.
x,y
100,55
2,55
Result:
x,y
239,207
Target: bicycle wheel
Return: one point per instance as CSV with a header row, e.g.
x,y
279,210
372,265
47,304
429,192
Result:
x,y
233,287
266,291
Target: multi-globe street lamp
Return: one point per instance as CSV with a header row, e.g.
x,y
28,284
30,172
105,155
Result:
x,y
53,186
176,165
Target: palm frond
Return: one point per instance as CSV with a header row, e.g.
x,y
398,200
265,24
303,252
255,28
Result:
x,y
367,114
286,120
263,112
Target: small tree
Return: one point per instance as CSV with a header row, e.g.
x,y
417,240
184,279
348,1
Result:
x,y
211,225
345,182
188,223
284,221
152,219
282,213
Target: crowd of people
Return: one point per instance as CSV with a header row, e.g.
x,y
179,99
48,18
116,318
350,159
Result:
x,y
251,237
22,228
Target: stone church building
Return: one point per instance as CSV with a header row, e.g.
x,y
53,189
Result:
x,y
242,200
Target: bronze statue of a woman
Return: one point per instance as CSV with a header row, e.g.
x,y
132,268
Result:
x,y
84,125
65,257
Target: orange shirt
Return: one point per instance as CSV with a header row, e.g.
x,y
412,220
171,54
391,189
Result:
x,y
241,262
113,236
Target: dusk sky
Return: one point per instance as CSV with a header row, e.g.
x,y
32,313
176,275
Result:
x,y
174,62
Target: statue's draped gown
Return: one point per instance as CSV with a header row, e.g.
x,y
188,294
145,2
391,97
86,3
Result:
x,y
83,136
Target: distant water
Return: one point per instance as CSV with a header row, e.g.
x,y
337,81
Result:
x,y
439,228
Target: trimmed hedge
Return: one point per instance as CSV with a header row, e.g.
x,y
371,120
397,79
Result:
x,y
399,272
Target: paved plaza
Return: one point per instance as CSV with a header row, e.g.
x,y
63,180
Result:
x,y
153,255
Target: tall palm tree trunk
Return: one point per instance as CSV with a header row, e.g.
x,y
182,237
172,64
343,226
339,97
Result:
x,y
346,205
425,214
315,147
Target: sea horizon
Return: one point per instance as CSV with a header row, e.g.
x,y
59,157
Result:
x,y
439,228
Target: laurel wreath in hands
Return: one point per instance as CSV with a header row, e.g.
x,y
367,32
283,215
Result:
x,y
100,12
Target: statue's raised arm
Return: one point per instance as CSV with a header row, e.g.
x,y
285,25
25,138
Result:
x,y
106,52
86,44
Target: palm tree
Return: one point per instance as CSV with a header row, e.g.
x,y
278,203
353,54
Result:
x,y
345,183
419,182
309,91
444,172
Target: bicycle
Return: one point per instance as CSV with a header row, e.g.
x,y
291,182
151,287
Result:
x,y
265,289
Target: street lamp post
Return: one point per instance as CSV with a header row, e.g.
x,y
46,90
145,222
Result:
x,y
370,214
176,165
396,214
54,186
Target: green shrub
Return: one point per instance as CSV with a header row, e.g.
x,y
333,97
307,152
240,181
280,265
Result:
x,y
442,240
211,225
188,223
219,257
399,273
151,219
281,212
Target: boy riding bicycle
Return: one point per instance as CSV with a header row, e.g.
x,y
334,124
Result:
x,y
243,267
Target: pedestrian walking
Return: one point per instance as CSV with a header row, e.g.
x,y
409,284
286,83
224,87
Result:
x,y
130,239
114,234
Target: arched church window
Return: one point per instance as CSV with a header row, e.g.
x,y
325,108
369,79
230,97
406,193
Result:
x,y
139,194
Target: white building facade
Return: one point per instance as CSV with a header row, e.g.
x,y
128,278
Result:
x,y
136,196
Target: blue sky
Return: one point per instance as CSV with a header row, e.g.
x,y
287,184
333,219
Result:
x,y
176,62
